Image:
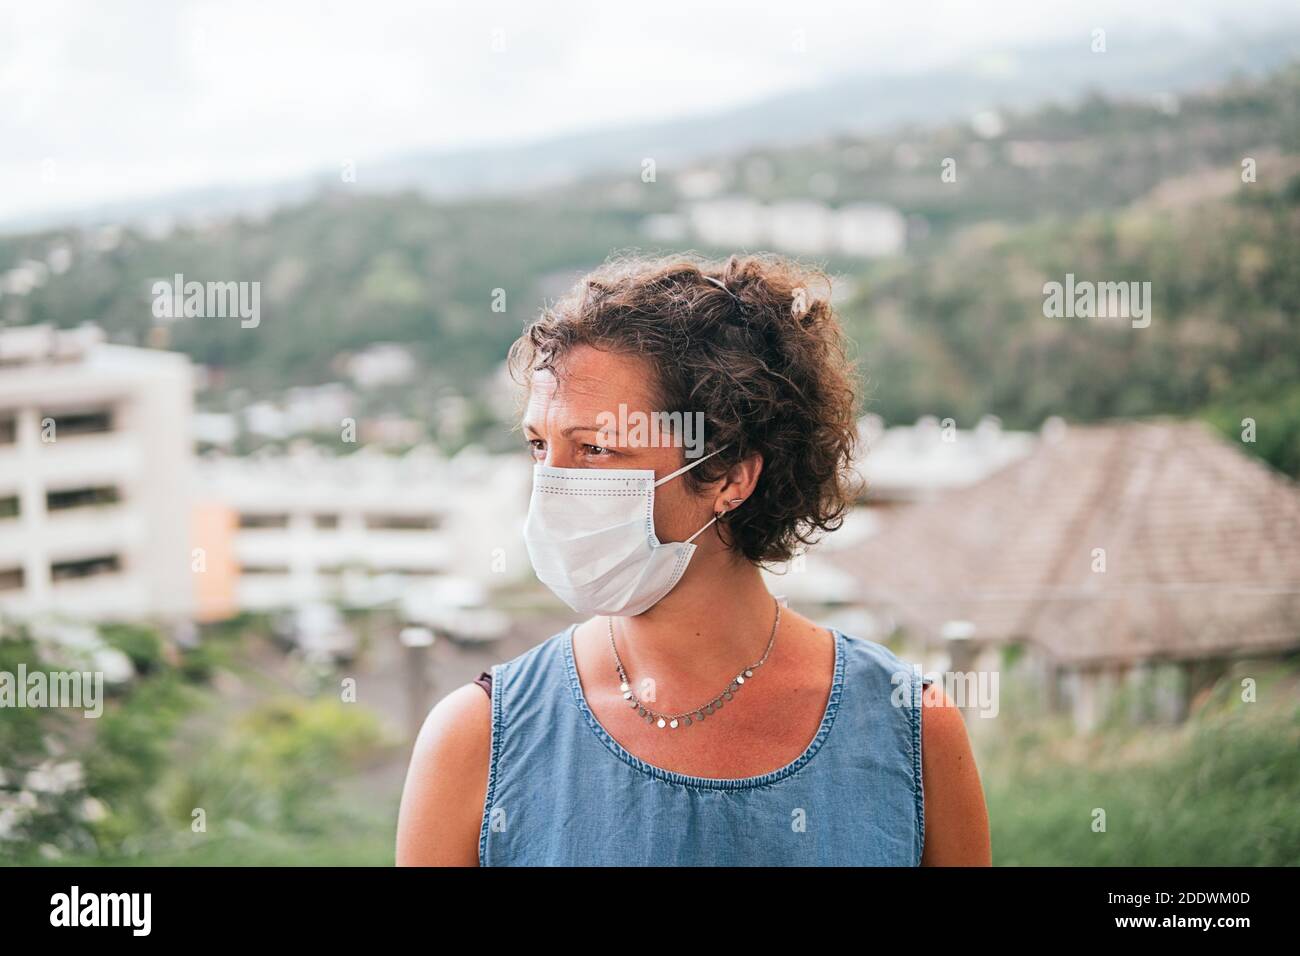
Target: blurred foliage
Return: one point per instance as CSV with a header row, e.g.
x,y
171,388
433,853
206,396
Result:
x,y
142,645
965,335
296,748
1277,424
276,777
124,787
20,728
1218,790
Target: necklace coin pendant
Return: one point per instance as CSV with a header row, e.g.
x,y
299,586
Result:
x,y
666,722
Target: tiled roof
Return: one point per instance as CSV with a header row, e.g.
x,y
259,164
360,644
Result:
x,y
1201,541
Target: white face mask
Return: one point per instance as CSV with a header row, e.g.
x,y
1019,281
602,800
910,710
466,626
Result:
x,y
591,537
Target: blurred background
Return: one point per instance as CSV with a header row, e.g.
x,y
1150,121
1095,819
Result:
x,y
282,540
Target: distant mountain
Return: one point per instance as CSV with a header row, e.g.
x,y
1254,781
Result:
x,y
1132,66
856,105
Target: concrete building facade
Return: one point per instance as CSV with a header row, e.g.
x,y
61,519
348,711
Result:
x,y
95,453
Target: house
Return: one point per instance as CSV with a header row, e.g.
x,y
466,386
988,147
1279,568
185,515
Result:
x,y
1144,554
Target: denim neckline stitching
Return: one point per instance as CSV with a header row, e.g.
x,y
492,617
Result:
x,y
709,783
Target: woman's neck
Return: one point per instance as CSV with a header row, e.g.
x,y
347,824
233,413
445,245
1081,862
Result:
x,y
717,618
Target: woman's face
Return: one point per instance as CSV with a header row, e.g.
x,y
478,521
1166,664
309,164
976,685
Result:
x,y
568,425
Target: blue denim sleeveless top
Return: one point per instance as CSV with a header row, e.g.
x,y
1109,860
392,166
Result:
x,y
563,792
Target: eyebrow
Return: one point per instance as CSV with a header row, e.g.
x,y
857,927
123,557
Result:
x,y
566,432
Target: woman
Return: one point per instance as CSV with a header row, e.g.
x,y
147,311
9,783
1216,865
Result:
x,y
690,719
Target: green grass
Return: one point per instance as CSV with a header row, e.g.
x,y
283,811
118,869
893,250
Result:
x,y
1221,790
365,842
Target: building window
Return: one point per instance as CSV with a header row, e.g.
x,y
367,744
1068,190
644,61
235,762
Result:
x,y
11,579
81,423
327,522
402,522
81,498
254,520
8,507
263,569
85,567
8,429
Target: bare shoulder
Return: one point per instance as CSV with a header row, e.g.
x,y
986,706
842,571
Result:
x,y
807,631
942,725
956,818
446,783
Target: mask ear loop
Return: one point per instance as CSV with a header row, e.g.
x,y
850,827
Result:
x,y
689,466
716,516
701,531
686,468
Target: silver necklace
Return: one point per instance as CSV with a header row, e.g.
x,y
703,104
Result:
x,y
686,718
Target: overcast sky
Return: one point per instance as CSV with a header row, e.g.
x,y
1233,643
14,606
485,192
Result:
x,y
115,100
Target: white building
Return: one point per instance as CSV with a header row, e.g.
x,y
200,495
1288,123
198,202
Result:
x,y
363,528
908,463
799,226
729,221
802,226
94,476
870,230
318,408
384,363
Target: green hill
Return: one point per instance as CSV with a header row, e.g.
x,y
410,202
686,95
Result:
x,y
1109,190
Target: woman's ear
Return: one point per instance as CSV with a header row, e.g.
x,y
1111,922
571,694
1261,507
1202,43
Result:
x,y
738,484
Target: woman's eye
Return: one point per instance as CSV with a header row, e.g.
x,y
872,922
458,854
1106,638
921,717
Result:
x,y
596,451
537,445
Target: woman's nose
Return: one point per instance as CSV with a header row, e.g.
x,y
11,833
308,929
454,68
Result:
x,y
560,458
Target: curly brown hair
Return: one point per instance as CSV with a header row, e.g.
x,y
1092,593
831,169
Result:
x,y
751,344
